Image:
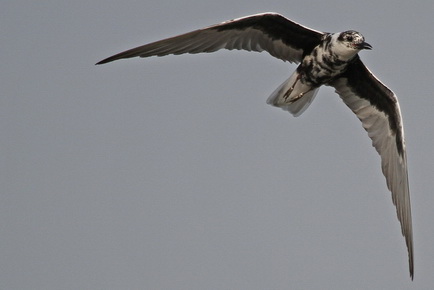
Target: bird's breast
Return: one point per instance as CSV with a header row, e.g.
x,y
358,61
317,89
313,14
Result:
x,y
320,67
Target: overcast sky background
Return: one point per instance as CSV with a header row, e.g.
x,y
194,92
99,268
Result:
x,y
173,173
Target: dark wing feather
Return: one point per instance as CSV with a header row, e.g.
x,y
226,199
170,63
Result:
x,y
378,109
281,37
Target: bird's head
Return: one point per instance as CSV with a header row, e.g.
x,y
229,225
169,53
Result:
x,y
348,43
353,40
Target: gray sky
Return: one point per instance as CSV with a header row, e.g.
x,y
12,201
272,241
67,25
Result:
x,y
173,173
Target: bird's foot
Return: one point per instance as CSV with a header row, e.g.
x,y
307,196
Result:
x,y
289,92
296,98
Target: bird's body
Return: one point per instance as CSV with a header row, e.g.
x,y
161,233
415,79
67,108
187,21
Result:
x,y
324,59
327,60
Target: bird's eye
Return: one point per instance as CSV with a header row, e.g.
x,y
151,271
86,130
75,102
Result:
x,y
349,38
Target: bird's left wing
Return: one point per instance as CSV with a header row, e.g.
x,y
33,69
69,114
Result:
x,y
281,37
378,109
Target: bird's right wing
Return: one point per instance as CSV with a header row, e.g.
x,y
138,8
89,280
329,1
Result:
x,y
378,109
279,36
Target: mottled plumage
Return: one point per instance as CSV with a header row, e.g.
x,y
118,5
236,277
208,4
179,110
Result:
x,y
324,59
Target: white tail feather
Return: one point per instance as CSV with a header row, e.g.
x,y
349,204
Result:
x,y
296,108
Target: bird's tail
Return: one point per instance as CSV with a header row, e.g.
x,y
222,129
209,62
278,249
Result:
x,y
277,98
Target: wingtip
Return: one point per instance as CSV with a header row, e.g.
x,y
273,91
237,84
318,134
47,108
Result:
x,y
102,61
411,267
411,272
110,59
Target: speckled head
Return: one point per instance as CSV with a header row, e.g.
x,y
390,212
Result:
x,y
353,39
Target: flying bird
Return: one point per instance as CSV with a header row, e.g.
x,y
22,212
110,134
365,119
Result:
x,y
324,59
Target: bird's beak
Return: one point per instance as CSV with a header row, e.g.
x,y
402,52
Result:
x,y
365,45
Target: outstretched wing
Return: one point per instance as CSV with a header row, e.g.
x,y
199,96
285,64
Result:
x,y
271,32
378,109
